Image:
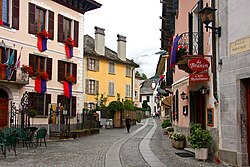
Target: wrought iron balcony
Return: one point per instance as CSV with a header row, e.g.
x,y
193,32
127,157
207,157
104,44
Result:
x,y
19,78
188,41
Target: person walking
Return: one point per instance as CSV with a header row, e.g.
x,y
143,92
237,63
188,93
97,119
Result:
x,y
128,120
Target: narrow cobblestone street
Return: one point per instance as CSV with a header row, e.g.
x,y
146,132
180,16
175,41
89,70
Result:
x,y
92,150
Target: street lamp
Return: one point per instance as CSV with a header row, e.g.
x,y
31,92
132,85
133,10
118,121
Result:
x,y
207,16
184,96
204,90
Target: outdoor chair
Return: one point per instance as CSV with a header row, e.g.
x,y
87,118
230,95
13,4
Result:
x,y
23,135
8,142
40,135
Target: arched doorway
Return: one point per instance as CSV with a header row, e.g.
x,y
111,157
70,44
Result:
x,y
3,108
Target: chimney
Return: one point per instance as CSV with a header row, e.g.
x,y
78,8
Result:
x,y
121,47
99,40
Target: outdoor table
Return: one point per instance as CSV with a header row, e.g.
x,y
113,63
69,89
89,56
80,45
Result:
x,y
32,132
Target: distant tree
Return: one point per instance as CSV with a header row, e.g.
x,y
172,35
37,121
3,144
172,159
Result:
x,y
144,77
137,74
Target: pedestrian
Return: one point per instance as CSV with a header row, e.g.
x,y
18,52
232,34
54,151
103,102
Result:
x,y
153,115
128,120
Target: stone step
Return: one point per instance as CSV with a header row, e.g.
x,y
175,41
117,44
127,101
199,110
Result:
x,y
191,150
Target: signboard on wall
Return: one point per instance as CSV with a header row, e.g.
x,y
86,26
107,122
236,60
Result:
x,y
198,77
210,117
198,64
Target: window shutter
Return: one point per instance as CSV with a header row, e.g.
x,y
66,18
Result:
x,y
31,100
15,14
32,18
51,25
97,65
76,32
61,69
60,28
88,68
73,106
190,33
48,101
13,77
87,86
32,61
97,87
49,68
74,71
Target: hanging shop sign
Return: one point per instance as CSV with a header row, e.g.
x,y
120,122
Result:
x,y
198,77
198,64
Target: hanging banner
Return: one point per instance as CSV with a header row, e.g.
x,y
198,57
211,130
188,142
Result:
x,y
198,64
198,77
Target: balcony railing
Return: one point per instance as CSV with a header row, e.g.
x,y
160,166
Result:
x,y
190,41
21,78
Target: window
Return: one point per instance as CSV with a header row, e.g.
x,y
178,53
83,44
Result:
x,y
5,54
111,68
93,64
91,106
136,94
128,93
40,63
92,86
39,102
9,13
39,20
65,27
148,98
67,104
66,68
111,89
128,71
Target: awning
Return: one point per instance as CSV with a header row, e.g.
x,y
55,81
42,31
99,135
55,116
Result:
x,y
167,102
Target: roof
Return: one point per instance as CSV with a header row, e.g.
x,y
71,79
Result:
x,y
89,49
146,86
80,6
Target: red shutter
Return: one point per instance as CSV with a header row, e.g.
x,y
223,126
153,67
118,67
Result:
x,y
13,78
76,32
73,106
32,61
60,28
15,14
74,71
32,18
49,68
97,65
51,25
48,101
61,70
97,87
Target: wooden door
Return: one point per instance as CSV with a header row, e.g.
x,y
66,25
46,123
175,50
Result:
x,y
248,118
3,112
197,108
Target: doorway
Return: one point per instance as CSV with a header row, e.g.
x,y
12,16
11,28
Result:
x,y
197,108
4,108
248,118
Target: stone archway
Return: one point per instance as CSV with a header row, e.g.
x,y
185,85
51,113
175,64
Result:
x,y
4,115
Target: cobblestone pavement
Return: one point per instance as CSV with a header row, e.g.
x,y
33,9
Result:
x,y
90,151
87,151
161,146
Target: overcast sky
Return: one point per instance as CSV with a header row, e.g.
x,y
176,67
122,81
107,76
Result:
x,y
138,20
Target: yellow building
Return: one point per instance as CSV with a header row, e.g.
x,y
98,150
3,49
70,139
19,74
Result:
x,y
108,72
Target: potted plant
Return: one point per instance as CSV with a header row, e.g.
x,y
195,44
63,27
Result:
x,y
167,130
200,140
166,123
177,140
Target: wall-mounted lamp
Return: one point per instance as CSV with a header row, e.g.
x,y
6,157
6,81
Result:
x,y
153,85
184,96
204,90
207,15
220,62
